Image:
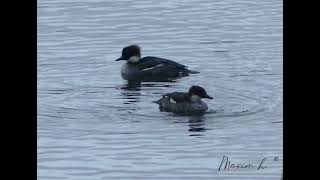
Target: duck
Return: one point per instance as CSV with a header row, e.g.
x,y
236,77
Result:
x,y
185,102
149,68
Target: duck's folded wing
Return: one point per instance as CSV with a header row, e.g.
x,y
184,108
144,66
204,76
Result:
x,y
149,62
177,97
161,70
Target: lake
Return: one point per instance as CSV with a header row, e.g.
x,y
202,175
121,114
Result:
x,y
92,125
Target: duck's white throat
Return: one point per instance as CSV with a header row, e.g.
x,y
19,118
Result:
x,y
195,98
134,59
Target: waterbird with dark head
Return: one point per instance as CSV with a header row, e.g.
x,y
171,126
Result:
x,y
149,68
185,102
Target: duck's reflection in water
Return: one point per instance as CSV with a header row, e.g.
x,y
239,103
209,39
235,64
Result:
x,y
197,125
131,92
132,86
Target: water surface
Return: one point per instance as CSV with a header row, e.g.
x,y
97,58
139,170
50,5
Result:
x,y
92,125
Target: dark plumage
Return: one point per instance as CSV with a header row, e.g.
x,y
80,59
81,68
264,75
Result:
x,y
149,67
184,102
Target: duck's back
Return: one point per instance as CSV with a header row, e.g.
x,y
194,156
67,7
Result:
x,y
151,61
159,68
154,68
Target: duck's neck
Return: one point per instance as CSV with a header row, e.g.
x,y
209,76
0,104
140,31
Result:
x,y
195,98
134,59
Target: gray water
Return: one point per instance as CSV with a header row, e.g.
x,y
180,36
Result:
x,y
92,126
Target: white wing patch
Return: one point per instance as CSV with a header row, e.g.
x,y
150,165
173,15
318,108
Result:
x,y
152,67
171,100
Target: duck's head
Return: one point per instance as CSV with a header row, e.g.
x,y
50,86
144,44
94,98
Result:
x,y
197,92
131,54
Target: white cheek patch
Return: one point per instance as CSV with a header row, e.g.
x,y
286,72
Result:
x,y
134,59
172,101
195,98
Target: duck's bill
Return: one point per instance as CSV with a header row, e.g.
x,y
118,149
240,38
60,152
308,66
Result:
x,y
120,58
208,97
